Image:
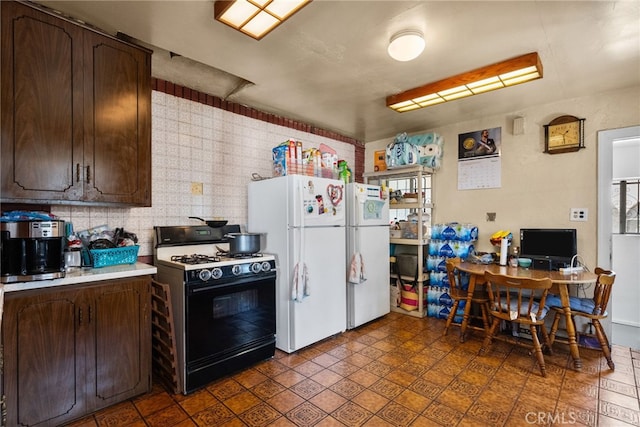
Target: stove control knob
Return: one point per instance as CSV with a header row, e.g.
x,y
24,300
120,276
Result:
x,y
236,269
265,266
255,267
204,275
216,273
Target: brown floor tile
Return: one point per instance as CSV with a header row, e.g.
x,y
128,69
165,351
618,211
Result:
x,y
364,378
271,368
352,414
327,377
308,368
242,402
387,388
225,389
267,389
328,400
307,388
250,377
260,415
197,401
124,413
343,368
443,414
376,421
371,400
455,401
285,401
378,368
326,360
397,414
217,414
581,415
167,417
412,400
153,403
347,388
289,378
306,414
340,352
89,421
401,371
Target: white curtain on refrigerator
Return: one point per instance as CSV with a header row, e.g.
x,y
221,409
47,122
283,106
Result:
x,y
367,254
304,221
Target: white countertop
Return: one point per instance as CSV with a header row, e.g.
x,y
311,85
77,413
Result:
x,y
86,275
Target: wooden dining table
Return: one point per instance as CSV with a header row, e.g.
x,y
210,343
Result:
x,y
561,283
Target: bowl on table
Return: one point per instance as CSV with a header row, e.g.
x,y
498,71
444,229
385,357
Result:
x,y
524,262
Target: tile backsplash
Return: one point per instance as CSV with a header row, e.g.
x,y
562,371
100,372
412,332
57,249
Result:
x,y
196,142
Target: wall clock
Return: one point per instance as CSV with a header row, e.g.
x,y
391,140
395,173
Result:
x,y
564,134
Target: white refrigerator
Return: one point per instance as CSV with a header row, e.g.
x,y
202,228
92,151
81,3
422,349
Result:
x,y
304,221
367,254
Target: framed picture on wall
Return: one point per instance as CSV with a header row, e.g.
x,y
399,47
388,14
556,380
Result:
x,y
480,143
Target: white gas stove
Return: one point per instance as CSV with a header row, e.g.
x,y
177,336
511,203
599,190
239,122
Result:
x,y
224,307
202,253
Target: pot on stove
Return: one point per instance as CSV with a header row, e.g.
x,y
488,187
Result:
x,y
244,243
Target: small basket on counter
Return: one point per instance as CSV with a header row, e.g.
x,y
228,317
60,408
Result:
x,y
113,256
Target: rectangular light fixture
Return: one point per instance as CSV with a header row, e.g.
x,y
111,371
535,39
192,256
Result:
x,y
256,18
496,76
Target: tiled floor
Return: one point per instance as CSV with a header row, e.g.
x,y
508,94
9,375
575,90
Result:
x,y
400,371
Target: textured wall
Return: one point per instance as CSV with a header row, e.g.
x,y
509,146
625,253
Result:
x,y
538,189
193,141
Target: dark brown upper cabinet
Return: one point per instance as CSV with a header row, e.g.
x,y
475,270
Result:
x,y
76,113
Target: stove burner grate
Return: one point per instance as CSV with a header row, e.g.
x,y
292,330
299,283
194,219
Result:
x,y
239,256
195,259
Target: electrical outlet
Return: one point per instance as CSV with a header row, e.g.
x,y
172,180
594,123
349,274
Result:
x,y
579,214
196,188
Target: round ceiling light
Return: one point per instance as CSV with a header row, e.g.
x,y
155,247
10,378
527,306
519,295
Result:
x,y
406,45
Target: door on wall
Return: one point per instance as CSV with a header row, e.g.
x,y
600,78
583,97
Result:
x,y
619,229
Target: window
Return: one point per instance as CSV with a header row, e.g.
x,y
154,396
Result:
x,y
625,189
625,195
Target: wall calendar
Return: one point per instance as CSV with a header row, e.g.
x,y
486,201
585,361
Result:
x,y
479,163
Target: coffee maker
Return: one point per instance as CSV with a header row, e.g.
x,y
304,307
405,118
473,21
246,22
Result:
x,y
32,250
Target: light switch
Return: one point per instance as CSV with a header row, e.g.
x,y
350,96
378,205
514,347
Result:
x,y
579,214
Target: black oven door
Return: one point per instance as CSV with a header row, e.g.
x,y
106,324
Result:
x,y
229,326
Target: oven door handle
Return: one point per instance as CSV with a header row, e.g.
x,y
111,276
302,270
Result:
x,y
231,284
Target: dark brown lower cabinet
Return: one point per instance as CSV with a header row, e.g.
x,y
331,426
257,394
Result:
x,y
72,350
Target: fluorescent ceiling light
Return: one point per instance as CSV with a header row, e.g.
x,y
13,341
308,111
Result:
x,y
496,76
256,18
406,45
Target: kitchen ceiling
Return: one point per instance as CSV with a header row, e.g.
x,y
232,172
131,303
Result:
x,y
328,65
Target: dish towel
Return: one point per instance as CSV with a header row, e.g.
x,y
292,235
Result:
x,y
300,288
356,269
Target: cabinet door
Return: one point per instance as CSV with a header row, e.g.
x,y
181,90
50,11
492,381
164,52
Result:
x,y
121,350
44,367
42,98
117,122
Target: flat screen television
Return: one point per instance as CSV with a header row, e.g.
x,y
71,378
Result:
x,y
558,245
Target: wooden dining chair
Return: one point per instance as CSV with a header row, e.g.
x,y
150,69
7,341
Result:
x,y
593,308
459,293
520,301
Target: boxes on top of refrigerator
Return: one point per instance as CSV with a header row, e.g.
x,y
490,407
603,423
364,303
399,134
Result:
x,y
290,159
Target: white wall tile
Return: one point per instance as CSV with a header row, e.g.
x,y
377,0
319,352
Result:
x,y
192,142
